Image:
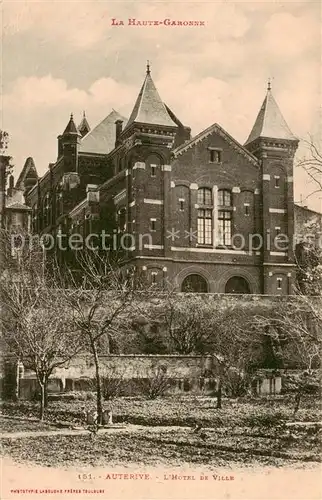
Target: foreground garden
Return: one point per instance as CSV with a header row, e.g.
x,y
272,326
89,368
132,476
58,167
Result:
x,y
163,431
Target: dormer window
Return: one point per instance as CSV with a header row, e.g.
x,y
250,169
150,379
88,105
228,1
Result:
x,y
215,155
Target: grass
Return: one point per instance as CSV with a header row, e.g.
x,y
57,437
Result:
x,y
181,411
242,432
8,425
168,447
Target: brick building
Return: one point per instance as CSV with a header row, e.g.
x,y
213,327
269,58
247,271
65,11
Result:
x,y
204,212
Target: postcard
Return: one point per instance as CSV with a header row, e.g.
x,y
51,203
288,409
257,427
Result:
x,y
161,249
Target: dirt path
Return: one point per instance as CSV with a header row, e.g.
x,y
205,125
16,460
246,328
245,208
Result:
x,y
129,428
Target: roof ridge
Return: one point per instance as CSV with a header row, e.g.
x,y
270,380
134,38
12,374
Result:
x,y
203,134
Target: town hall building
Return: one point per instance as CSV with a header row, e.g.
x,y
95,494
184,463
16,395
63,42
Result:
x,y
204,213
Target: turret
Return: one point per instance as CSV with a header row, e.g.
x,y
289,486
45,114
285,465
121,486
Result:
x,y
68,144
83,127
149,137
272,141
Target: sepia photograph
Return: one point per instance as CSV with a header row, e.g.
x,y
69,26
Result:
x,y
160,250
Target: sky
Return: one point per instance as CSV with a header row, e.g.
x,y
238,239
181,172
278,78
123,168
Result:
x,y
62,57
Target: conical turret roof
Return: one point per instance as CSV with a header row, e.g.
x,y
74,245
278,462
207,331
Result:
x,y
270,122
83,127
149,107
71,127
28,176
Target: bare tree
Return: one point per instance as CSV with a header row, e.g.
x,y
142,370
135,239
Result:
x,y
37,326
312,164
101,307
189,323
308,257
295,331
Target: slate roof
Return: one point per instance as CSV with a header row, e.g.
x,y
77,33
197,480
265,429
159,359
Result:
x,y
270,122
18,206
83,127
149,107
28,172
101,139
71,127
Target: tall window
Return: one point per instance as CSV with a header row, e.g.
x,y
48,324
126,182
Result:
x,y
205,216
121,219
224,217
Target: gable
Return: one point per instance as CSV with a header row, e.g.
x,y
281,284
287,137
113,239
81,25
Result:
x,y
216,129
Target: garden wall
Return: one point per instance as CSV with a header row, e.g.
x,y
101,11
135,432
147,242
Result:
x,y
186,374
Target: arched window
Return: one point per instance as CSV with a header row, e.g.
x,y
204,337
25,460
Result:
x,y
59,202
237,284
35,218
46,211
225,210
205,209
194,283
121,219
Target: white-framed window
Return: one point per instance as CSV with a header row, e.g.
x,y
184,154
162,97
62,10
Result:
x,y
225,210
205,210
215,155
181,204
153,224
246,209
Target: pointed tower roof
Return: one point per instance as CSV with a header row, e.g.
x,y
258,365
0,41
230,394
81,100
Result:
x,y
270,122
83,127
28,176
149,107
71,127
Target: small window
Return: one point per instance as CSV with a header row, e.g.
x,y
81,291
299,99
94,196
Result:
x,y
153,170
246,209
154,277
277,181
279,283
153,223
277,231
181,203
215,156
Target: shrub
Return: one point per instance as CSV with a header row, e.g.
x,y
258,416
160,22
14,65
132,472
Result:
x,y
156,383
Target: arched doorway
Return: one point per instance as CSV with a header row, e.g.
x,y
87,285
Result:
x,y
237,284
194,283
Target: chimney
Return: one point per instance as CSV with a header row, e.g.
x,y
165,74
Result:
x,y
118,131
11,186
92,193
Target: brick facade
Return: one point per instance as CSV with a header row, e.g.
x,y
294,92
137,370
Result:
x,y
145,181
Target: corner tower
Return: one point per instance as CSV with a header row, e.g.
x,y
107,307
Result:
x,y
148,139
272,141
